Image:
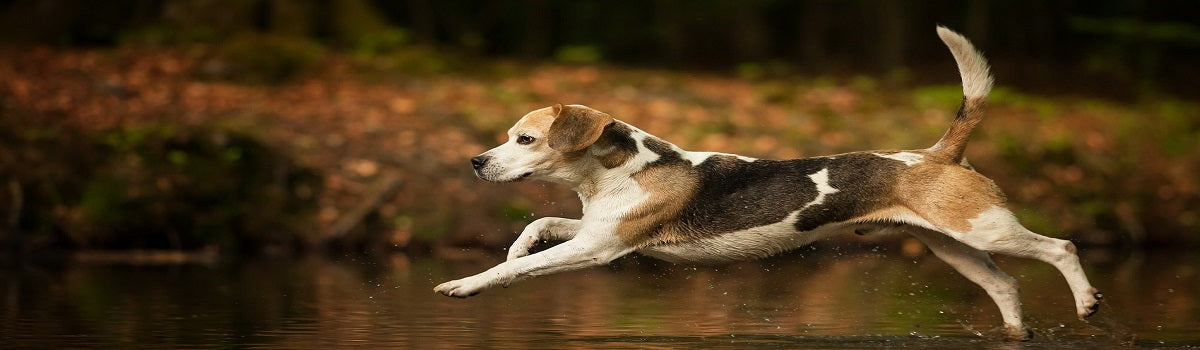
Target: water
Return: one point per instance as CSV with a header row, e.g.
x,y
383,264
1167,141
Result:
x,y
819,298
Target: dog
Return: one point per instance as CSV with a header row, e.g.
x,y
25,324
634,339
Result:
x,y
642,194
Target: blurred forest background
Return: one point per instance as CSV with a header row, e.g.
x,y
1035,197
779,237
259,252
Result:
x,y
276,126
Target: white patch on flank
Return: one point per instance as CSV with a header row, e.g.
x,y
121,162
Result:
x,y
994,224
821,179
909,158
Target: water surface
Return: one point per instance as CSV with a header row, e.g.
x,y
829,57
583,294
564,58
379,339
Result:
x,y
817,298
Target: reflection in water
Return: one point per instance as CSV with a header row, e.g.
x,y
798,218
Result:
x,y
815,298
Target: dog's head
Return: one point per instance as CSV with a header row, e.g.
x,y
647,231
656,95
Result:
x,y
543,144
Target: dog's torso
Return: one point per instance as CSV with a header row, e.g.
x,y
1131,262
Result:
x,y
746,209
704,207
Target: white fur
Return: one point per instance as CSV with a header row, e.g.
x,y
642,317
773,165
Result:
x,y
909,158
972,67
751,243
699,157
821,179
997,230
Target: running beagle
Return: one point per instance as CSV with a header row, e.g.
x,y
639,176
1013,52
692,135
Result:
x,y
643,194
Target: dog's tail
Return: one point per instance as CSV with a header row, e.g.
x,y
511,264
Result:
x,y
977,83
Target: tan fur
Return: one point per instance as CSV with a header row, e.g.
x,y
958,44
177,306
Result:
x,y
670,188
950,147
887,214
536,120
947,195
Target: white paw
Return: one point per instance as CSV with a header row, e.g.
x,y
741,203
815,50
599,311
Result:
x,y
1017,333
460,288
1090,303
520,248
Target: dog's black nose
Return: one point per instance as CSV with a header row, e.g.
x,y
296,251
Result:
x,y
478,162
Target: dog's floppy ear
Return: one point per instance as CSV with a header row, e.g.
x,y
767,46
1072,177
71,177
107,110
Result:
x,y
576,127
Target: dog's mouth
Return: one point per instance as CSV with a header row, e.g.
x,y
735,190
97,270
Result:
x,y
518,178
515,179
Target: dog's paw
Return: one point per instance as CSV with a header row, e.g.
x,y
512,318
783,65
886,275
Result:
x,y
1090,304
460,288
516,254
1017,333
520,247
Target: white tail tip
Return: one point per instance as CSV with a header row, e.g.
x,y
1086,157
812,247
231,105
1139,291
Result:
x,y
976,75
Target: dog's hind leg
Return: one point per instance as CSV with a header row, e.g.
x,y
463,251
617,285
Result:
x,y
997,230
978,267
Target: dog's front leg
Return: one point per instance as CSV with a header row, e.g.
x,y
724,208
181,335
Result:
x,y
582,251
544,228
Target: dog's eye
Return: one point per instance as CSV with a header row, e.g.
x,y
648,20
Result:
x,y
525,139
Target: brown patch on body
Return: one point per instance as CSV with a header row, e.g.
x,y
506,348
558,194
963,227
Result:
x,y
671,187
947,195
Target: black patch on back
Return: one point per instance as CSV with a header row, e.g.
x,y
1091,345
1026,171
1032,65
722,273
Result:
x,y
735,195
864,183
666,154
617,135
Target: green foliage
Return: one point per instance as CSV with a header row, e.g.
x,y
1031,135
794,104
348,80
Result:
x,y
165,35
1135,29
937,96
179,187
751,71
410,60
351,21
262,58
764,70
187,187
516,211
580,54
382,42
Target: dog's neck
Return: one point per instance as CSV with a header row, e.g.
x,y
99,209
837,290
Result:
x,y
608,167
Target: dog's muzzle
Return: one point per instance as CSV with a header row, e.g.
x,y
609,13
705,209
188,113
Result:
x,y
478,162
